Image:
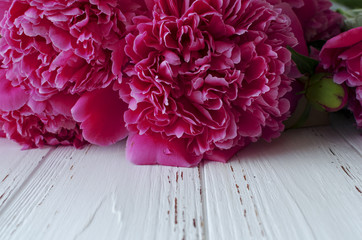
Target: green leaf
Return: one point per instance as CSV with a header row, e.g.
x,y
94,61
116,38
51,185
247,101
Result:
x,y
350,3
306,65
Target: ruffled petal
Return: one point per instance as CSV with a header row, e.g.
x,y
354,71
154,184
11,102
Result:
x,y
11,98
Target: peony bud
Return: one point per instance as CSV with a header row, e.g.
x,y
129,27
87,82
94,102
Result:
x,y
326,95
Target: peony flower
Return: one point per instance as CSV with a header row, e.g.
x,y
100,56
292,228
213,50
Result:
x,y
53,46
66,48
323,24
33,123
343,56
206,78
318,21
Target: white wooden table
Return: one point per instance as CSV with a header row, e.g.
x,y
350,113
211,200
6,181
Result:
x,y
305,185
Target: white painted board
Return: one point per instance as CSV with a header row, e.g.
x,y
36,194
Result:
x,y
304,185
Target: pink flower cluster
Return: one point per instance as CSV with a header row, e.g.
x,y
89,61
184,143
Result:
x,y
53,52
186,80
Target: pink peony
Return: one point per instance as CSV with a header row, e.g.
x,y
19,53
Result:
x,y
206,78
35,124
343,56
53,46
323,24
318,21
66,48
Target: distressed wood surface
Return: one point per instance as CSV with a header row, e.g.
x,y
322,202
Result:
x,y
305,185
16,167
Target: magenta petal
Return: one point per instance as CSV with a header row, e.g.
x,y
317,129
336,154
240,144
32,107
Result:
x,y
101,115
4,6
11,98
37,106
346,39
219,155
249,126
60,38
118,58
2,133
63,103
296,28
153,149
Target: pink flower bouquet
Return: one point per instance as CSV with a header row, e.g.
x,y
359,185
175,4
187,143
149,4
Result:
x,y
184,80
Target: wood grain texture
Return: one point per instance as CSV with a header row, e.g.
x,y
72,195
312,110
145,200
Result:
x,y
304,185
345,125
95,194
16,167
293,188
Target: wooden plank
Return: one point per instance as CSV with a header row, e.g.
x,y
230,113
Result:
x,y
16,167
305,185
345,125
95,193
301,186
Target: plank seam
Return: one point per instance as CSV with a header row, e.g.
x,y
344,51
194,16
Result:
x,y
205,226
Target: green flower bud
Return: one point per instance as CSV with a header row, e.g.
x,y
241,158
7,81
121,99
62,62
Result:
x,y
324,94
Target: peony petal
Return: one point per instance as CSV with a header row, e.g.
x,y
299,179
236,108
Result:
x,y
101,115
11,98
345,39
60,39
62,103
154,149
4,6
249,126
2,133
118,59
297,28
219,155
